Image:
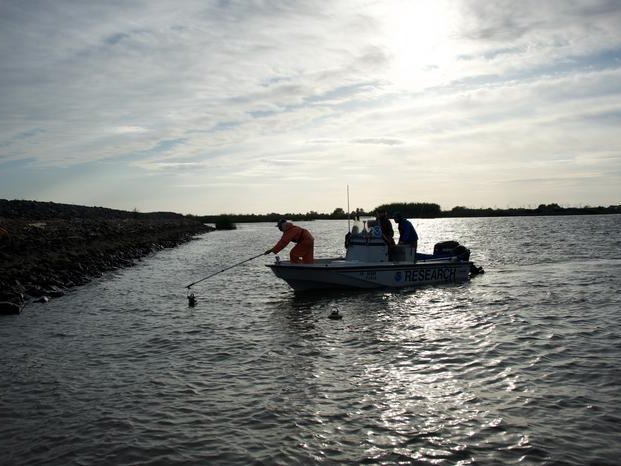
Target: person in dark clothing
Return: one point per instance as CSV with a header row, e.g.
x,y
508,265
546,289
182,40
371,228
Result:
x,y
407,233
386,227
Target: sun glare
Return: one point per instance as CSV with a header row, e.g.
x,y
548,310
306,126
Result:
x,y
417,37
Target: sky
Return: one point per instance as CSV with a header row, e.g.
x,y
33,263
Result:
x,y
208,107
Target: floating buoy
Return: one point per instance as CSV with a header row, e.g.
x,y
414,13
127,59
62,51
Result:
x,y
191,300
334,315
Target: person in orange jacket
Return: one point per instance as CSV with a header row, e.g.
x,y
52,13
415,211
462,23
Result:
x,y
302,252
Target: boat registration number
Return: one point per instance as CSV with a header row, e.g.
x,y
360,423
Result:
x,y
368,275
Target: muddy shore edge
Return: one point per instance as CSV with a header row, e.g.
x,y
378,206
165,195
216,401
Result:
x,y
47,248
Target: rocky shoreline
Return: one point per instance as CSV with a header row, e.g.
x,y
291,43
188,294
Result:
x,y
46,248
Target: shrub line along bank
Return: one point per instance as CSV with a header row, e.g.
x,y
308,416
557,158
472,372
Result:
x,y
416,210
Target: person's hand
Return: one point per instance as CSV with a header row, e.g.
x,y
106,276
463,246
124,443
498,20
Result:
x,y
267,252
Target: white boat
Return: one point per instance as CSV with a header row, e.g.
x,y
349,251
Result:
x,y
369,263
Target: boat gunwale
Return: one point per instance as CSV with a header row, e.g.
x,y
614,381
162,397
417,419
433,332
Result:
x,y
343,265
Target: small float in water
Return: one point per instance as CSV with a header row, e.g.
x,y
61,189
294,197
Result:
x,y
370,263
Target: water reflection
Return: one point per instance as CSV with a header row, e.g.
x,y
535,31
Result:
x,y
404,351
518,365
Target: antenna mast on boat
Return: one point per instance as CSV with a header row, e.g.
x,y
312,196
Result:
x,y
348,211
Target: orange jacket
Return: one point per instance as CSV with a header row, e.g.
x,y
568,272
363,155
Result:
x,y
295,234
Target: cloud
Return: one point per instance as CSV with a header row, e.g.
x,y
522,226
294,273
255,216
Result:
x,y
127,129
21,136
245,93
380,141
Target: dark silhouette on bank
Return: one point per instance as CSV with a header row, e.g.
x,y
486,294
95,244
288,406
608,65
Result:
x,y
418,210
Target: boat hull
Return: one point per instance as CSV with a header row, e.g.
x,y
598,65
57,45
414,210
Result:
x,y
325,274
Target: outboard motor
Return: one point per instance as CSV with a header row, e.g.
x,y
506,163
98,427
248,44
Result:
x,y
451,249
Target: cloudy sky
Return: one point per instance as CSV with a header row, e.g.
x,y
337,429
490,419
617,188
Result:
x,y
241,106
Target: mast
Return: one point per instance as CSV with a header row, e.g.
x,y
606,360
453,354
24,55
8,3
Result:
x,y
348,211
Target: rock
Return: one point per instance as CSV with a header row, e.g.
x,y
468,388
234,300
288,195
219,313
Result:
x,y
9,307
52,247
55,292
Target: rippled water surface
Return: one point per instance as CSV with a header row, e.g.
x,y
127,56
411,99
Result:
x,y
520,365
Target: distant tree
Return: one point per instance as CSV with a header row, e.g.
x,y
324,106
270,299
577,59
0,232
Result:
x,y
338,213
412,209
549,208
225,222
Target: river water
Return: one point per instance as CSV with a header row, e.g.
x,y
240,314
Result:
x,y
519,365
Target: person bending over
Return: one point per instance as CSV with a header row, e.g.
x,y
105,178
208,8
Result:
x,y
302,252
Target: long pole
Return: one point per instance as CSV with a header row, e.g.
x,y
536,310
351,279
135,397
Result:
x,y
348,211
223,270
